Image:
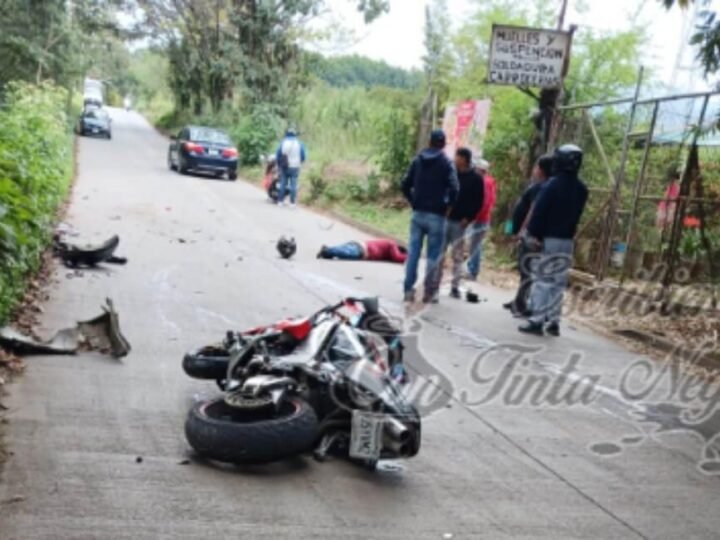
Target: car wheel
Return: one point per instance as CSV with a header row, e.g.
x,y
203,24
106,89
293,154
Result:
x,y
170,163
182,167
219,175
109,136
232,175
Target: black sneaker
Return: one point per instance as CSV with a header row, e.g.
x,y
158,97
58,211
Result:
x,y
455,293
321,253
553,329
510,306
535,329
431,298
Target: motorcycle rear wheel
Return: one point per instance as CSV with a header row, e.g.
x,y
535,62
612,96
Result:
x,y
219,432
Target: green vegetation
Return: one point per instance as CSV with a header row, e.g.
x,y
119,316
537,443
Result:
x,y
36,164
354,70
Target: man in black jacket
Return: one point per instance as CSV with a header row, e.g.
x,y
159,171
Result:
x,y
468,204
553,223
526,252
431,187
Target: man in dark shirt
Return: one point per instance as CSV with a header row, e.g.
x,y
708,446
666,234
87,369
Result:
x,y
553,224
526,253
431,187
468,204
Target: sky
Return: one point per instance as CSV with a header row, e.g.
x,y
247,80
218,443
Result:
x,y
397,37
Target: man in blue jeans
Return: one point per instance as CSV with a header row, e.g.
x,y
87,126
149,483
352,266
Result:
x,y
290,156
552,225
431,186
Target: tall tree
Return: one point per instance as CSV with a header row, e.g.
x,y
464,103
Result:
x,y
437,66
243,50
707,36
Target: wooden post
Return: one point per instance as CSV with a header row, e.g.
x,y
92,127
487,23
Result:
x,y
639,186
609,233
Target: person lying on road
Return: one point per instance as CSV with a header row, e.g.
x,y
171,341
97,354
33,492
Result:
x,y
372,250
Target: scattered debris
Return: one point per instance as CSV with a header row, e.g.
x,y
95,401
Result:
x,y
139,459
66,341
358,278
472,297
184,462
182,241
101,333
73,255
13,500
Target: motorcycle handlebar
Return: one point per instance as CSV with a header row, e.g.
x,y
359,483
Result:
x,y
334,308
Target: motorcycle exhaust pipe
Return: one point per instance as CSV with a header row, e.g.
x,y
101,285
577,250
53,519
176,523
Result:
x,y
397,437
397,431
396,447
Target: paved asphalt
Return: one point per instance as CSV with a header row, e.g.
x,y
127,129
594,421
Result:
x,y
202,260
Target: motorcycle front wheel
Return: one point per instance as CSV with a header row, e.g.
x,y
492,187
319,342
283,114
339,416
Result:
x,y
223,433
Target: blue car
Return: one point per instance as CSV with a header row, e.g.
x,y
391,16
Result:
x,y
95,122
203,149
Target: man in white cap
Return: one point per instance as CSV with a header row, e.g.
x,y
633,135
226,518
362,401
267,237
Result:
x,y
478,230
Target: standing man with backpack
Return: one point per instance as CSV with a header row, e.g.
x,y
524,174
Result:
x,y
290,157
431,187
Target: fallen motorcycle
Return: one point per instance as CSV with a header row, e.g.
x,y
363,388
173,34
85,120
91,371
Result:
x,y
271,182
331,383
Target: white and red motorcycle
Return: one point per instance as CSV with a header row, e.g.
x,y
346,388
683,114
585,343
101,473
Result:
x,y
331,383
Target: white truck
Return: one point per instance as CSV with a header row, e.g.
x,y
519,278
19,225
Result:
x,y
93,93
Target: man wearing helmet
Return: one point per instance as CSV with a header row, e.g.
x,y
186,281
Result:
x,y
552,225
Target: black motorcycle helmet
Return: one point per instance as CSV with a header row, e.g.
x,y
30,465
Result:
x,y
286,247
568,158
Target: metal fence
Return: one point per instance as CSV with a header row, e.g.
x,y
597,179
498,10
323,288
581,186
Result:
x,y
653,169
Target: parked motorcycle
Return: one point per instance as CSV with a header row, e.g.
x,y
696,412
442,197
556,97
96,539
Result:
x,y
271,183
331,382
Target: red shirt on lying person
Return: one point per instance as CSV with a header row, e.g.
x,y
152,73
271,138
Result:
x,y
385,250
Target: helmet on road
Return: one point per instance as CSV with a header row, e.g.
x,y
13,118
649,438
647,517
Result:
x,y
567,158
286,247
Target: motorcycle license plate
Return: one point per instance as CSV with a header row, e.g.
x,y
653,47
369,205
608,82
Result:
x,y
366,435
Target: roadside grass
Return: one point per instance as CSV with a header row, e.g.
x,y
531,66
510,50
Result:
x,y
393,222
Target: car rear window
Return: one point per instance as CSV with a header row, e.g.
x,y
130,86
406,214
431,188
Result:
x,y
209,135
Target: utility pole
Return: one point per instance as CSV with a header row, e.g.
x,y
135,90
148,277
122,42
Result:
x,y
548,100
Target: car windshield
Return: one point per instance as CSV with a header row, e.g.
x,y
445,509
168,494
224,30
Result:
x,y
208,135
96,113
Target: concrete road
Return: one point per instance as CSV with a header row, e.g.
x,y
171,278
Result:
x,y
497,461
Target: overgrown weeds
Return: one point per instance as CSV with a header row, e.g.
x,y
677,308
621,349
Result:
x,y
36,163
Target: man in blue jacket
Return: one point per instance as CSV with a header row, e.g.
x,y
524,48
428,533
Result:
x,y
553,223
431,186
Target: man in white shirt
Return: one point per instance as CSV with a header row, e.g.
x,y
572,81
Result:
x,y
290,157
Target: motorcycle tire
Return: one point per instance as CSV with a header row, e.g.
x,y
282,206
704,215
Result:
x,y
274,191
216,433
206,364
